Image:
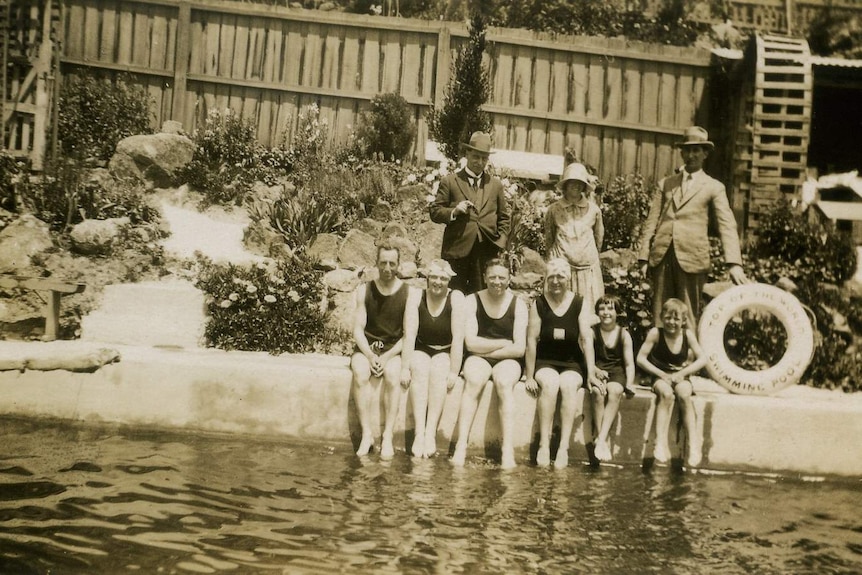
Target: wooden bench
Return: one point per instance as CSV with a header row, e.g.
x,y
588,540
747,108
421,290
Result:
x,y
55,288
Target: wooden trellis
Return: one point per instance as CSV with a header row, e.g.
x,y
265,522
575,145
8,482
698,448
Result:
x,y
773,124
28,78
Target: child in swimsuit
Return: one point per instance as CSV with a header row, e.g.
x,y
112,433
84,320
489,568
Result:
x,y
615,371
671,354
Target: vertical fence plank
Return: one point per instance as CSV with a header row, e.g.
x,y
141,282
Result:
x,y
181,64
125,36
371,62
391,76
159,39
412,65
331,61
141,30
311,60
91,27
75,28
540,87
293,54
108,35
350,79
226,41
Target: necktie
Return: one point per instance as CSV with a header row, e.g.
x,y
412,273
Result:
x,y
683,187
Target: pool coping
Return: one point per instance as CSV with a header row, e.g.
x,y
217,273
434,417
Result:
x,y
800,430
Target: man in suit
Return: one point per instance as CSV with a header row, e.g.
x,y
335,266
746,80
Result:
x,y
674,247
472,205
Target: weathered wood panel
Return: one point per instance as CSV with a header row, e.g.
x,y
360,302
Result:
x,y
619,105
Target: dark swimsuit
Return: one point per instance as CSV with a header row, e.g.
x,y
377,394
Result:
x,y
558,344
384,324
610,359
493,328
663,358
435,332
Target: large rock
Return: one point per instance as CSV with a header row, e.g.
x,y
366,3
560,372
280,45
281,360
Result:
x,y
532,262
20,241
342,280
264,241
92,237
431,236
381,211
357,250
152,158
324,249
370,226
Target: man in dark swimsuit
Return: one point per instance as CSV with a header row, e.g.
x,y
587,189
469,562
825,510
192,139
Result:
x,y
378,330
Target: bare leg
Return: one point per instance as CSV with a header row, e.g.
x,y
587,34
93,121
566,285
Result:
x,y
663,412
391,403
549,384
436,400
477,371
363,395
505,375
610,410
573,397
419,368
683,392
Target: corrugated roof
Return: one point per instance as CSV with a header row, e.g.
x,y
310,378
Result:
x,y
835,62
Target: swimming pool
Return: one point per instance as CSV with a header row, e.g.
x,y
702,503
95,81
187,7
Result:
x,y
97,499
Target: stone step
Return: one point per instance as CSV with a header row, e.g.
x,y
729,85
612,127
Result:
x,y
170,314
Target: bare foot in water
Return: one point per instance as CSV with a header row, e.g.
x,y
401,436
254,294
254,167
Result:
x,y
430,445
418,449
603,451
562,460
386,449
661,453
694,453
364,446
459,456
508,459
543,457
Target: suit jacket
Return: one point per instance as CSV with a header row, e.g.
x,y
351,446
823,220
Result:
x,y
490,218
685,224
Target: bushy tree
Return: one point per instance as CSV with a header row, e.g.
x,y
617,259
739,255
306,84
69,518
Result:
x,y
96,113
468,89
387,129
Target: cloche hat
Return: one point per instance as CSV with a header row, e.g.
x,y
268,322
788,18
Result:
x,y
578,172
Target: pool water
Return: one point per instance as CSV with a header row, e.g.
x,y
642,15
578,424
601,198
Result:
x,y
97,499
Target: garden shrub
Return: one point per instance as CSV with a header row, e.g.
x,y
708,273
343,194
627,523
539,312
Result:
x,y
468,90
815,250
9,174
625,204
95,113
225,160
635,294
273,307
526,223
387,129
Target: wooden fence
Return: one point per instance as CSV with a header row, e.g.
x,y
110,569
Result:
x,y
620,105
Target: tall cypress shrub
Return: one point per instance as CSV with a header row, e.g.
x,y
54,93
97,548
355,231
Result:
x,y
468,89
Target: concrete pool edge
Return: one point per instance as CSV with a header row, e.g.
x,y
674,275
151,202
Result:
x,y
801,430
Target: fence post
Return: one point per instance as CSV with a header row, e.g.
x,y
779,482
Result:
x,y
181,63
43,69
444,58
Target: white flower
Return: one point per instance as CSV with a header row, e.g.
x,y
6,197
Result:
x,y
429,178
293,295
435,187
233,297
506,183
224,304
444,170
411,179
430,198
251,289
269,298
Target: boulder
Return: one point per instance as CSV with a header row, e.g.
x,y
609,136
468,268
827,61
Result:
x,y
341,280
382,211
92,237
370,226
262,240
172,127
623,258
324,249
527,281
532,262
431,236
20,241
406,248
357,250
155,159
99,178
394,229
407,270
342,307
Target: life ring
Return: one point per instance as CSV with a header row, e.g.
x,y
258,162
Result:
x,y
786,308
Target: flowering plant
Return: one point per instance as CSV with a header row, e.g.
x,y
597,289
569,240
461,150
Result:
x,y
276,307
635,294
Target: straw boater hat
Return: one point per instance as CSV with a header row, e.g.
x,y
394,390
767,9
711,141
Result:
x,y
440,266
479,142
578,172
696,136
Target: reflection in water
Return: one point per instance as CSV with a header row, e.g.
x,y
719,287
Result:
x,y
77,499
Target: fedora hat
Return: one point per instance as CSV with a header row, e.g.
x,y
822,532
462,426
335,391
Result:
x,y
695,136
578,172
479,142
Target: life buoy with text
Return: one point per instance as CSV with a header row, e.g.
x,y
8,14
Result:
x,y
786,308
